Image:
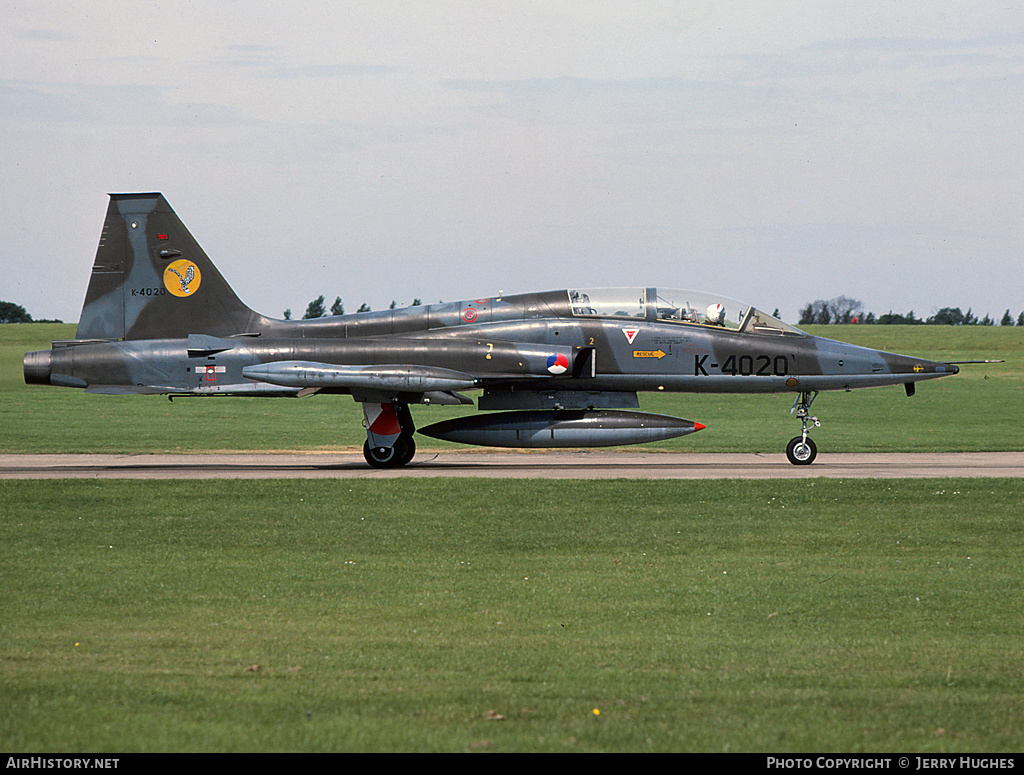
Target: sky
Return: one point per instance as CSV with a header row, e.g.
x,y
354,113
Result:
x,y
777,153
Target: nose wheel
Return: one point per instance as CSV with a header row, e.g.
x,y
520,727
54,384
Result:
x,y
801,450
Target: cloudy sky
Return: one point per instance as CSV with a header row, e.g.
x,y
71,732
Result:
x,y
775,152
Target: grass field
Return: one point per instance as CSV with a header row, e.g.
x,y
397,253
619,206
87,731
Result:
x,y
979,409
472,615
425,615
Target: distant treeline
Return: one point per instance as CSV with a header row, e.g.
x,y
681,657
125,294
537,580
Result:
x,y
15,313
317,308
840,310
843,309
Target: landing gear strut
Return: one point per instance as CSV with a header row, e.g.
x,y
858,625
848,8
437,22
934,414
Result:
x,y
389,429
801,450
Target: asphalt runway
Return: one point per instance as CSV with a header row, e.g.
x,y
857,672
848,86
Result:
x,y
550,464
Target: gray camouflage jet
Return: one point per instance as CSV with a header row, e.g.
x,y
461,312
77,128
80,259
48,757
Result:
x,y
556,369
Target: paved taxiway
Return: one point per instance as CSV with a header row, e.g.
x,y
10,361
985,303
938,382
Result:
x,y
517,465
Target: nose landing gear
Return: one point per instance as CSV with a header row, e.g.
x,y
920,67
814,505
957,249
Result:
x,y
801,450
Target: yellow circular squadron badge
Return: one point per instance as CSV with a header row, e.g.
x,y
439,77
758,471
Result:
x,y
182,277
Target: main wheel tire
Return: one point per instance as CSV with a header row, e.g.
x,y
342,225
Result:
x,y
390,457
801,452
408,451
381,457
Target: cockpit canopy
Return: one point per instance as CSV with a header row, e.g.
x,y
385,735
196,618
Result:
x,y
677,306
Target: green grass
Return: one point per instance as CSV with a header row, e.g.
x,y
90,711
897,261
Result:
x,y
396,615
391,615
979,409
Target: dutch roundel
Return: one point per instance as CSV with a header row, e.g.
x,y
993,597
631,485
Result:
x,y
558,364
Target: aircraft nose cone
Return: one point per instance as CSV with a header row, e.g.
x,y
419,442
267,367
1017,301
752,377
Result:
x,y
904,364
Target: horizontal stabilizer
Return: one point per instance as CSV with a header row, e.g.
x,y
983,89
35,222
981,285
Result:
x,y
402,378
201,344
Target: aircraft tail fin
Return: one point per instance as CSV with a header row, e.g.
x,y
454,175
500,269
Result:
x,y
152,280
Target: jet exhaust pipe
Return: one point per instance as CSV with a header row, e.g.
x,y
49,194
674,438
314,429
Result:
x,y
586,428
37,367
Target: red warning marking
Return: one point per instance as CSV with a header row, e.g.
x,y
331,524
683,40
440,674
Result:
x,y
386,423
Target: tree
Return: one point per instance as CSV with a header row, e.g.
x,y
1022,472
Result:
x,y
1020,319
840,310
895,319
364,307
337,308
846,310
288,314
947,316
1007,320
13,313
315,309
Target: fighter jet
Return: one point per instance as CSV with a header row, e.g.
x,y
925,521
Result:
x,y
555,369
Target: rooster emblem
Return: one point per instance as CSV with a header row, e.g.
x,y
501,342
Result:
x,y
182,278
189,274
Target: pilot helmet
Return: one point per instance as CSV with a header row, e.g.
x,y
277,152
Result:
x,y
716,314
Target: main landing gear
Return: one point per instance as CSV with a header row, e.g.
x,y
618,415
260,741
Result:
x,y
801,450
389,429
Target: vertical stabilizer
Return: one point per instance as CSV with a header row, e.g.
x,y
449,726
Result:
x,y
152,280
